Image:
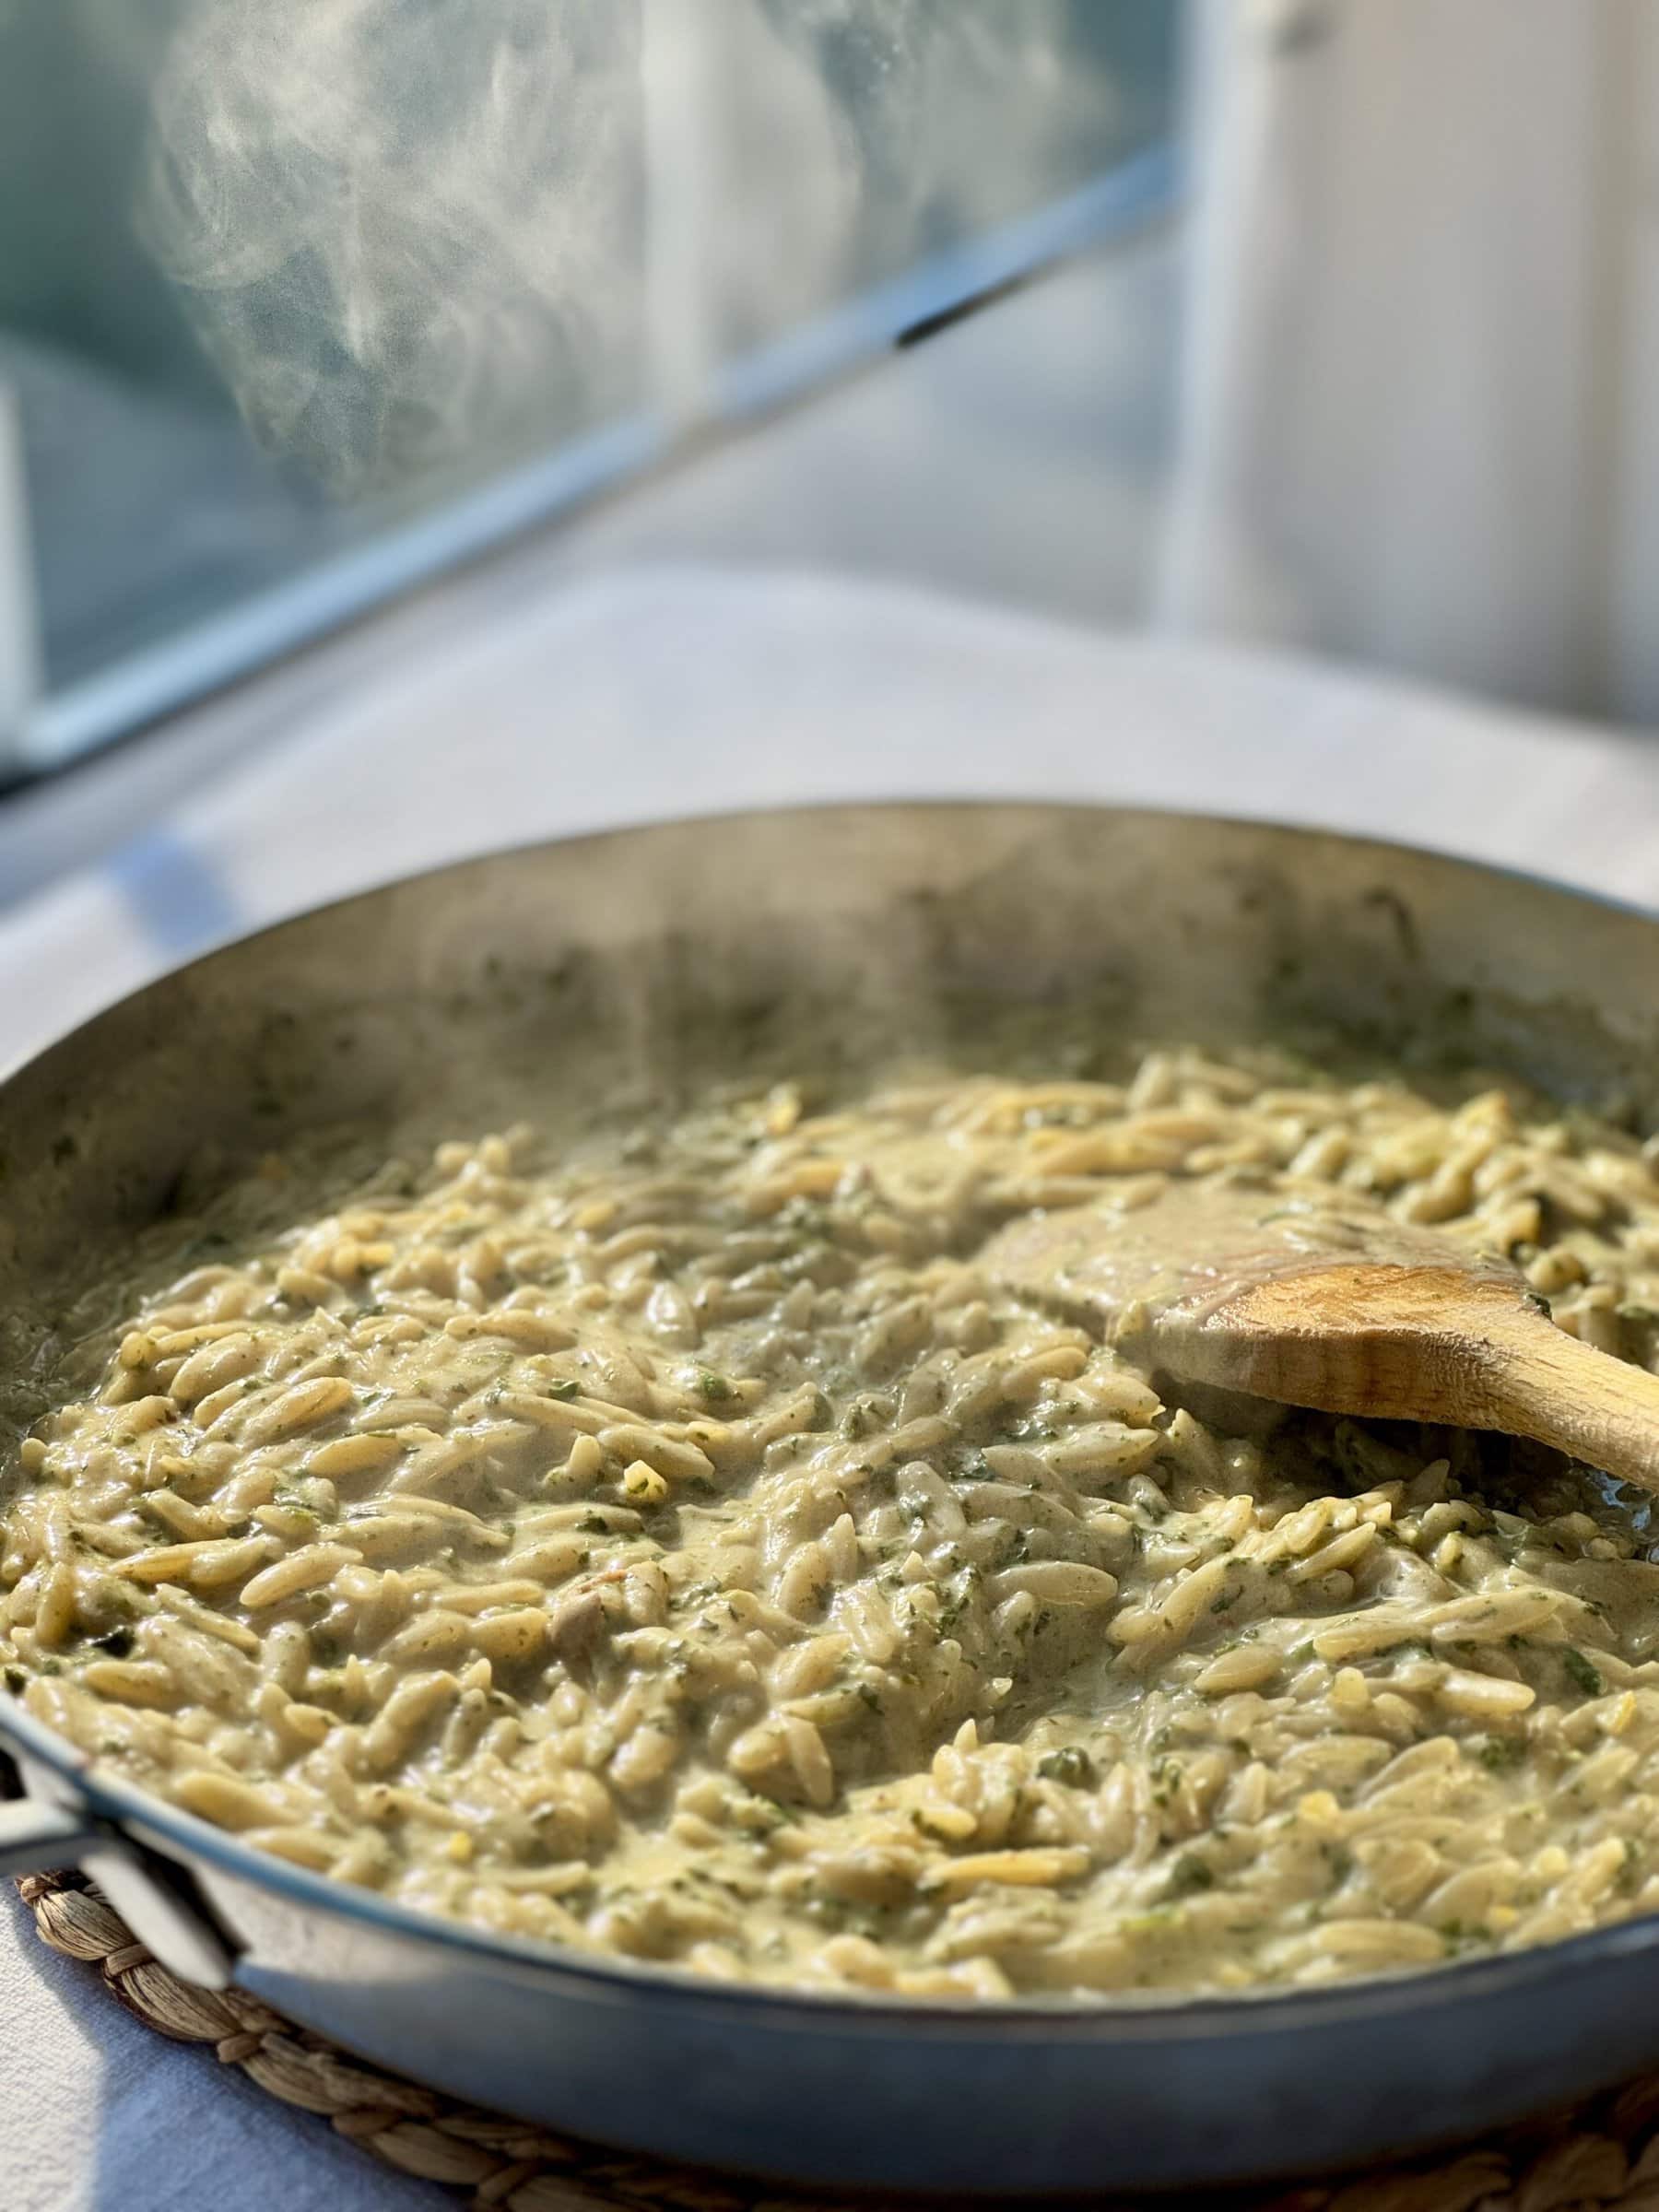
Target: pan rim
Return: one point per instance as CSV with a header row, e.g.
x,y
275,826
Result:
x,y
1309,832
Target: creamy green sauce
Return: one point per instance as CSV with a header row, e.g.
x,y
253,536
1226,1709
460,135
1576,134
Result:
x,y
684,1546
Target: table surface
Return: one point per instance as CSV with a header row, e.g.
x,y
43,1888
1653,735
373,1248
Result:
x,y
693,692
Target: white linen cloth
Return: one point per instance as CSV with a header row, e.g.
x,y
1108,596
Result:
x,y
642,696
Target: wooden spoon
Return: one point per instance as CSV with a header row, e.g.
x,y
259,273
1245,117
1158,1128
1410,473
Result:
x,y
1312,1297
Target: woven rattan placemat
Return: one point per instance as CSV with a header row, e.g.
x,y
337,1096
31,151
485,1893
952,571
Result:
x,y
1602,2157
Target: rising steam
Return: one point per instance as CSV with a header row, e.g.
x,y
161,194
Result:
x,y
413,231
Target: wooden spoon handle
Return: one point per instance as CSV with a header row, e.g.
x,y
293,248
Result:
x,y
1542,1384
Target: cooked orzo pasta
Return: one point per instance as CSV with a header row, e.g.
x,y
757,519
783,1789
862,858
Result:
x,y
676,1546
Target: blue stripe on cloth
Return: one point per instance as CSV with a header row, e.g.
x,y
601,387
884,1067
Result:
x,y
178,899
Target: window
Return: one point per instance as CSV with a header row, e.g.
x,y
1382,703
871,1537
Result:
x,y
301,299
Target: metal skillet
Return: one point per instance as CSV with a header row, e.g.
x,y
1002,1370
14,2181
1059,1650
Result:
x,y
631,953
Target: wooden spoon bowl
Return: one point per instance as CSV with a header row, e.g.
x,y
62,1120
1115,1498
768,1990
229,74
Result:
x,y
1314,1296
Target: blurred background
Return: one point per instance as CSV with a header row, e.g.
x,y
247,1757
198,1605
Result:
x,y
1326,327
431,425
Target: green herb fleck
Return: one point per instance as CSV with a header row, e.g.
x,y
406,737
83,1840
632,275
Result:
x,y
1189,1875
1580,1671
1501,1753
1070,1765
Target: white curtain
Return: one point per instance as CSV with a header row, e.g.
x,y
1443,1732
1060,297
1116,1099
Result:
x,y
1419,417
